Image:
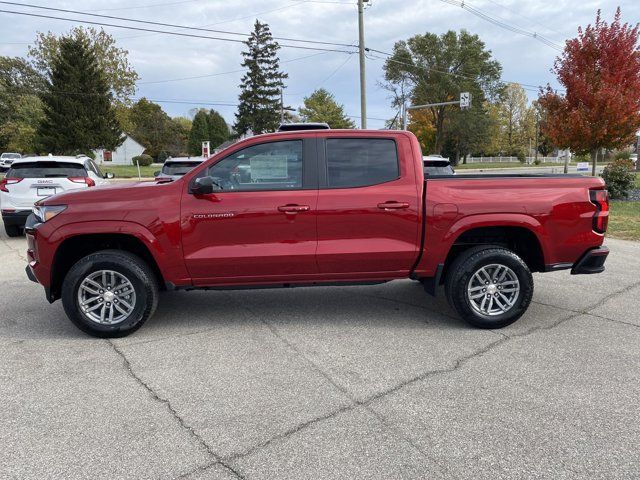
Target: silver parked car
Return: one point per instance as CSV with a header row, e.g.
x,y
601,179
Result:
x,y
437,165
7,158
175,168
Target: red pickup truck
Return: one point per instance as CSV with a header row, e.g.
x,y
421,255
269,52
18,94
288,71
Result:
x,y
321,207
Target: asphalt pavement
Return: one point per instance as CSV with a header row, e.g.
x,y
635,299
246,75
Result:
x,y
378,382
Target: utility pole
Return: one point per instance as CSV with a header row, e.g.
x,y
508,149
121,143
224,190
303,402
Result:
x,y
281,106
537,138
363,87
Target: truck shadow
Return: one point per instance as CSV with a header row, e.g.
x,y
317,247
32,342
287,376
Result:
x,y
396,305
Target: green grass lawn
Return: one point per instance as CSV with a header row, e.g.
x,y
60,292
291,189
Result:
x,y
624,220
478,166
129,171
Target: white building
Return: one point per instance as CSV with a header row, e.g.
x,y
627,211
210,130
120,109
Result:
x,y
121,155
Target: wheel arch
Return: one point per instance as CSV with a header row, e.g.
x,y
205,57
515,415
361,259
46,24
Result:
x,y
522,239
75,247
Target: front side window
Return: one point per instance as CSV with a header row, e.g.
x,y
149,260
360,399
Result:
x,y
358,162
267,166
91,165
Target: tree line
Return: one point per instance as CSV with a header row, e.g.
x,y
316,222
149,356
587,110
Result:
x,y
73,93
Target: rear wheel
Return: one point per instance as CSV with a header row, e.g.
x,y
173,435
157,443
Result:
x,y
110,293
490,287
12,230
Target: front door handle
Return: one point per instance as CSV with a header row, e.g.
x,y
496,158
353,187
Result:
x,y
392,205
291,208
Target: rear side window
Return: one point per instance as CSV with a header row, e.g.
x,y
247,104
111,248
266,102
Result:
x,y
46,170
358,162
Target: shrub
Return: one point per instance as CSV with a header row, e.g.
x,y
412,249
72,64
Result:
x,y
521,156
162,156
619,178
622,155
143,160
537,161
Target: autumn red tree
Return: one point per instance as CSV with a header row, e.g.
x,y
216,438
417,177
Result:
x,y
600,71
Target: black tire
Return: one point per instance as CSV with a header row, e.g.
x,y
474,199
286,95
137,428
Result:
x,y
12,230
130,266
460,275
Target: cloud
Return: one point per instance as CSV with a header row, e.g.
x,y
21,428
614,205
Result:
x,y
159,57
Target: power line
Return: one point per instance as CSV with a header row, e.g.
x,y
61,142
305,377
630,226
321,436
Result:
x,y
144,6
502,24
225,73
177,34
546,27
171,25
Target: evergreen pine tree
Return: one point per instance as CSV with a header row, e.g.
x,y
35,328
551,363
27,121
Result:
x,y
78,111
259,108
218,128
199,133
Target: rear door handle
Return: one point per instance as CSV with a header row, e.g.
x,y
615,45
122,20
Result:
x,y
391,205
293,208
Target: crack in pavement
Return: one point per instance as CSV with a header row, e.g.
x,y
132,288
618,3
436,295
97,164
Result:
x,y
183,424
204,468
14,250
458,364
588,310
364,403
354,402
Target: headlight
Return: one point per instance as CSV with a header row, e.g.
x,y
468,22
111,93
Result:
x,y
45,213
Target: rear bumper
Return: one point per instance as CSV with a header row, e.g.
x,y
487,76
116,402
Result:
x,y
18,217
591,262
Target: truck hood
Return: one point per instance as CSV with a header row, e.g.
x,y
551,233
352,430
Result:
x,y
128,191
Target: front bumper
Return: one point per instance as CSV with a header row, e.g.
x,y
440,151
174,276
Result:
x,y
18,217
591,262
30,275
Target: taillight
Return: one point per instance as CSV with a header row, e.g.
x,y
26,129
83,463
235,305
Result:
x,y
88,181
8,181
600,198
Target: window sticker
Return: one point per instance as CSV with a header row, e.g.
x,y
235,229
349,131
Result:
x,y
269,167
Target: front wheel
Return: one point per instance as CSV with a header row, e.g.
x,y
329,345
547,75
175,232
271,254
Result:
x,y
110,293
490,287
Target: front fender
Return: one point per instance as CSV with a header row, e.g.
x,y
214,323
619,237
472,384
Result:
x,y
167,254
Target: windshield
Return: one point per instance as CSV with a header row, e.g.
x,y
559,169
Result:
x,y
178,168
46,170
11,156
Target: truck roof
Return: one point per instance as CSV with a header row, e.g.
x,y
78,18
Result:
x,y
334,132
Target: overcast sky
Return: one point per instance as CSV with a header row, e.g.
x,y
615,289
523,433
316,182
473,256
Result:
x,y
158,57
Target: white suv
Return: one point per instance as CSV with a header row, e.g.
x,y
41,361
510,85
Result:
x,y
34,178
7,158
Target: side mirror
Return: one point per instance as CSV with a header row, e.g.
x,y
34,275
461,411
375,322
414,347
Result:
x,y
205,186
156,173
109,175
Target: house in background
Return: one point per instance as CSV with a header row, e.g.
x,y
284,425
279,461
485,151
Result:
x,y
121,155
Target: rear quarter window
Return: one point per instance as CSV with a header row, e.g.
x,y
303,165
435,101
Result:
x,y
359,162
46,170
